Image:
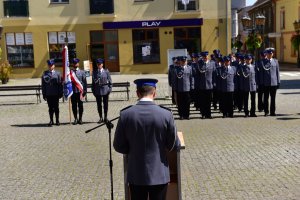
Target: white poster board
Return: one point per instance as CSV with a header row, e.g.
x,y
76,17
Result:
x,y
10,39
86,67
28,38
174,53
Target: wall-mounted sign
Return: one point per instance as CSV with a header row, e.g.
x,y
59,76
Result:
x,y
52,37
71,37
61,37
153,23
28,38
20,39
10,39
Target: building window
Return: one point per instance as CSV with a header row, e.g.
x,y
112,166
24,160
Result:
x,y
188,38
101,6
282,19
59,1
57,41
20,49
13,8
186,5
145,46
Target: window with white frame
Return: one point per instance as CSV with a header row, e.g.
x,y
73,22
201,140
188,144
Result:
x,y
59,1
186,5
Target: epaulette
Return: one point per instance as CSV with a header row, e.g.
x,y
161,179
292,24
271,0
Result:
x,y
165,108
125,108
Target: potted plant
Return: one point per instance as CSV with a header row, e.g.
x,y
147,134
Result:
x,y
253,42
5,71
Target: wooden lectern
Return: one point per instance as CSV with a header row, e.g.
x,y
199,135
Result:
x,y
174,187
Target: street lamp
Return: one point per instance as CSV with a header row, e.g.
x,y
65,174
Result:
x,y
297,29
254,40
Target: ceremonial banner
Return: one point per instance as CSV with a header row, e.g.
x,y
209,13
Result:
x,y
68,91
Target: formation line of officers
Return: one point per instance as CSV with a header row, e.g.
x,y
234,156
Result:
x,y
52,90
225,81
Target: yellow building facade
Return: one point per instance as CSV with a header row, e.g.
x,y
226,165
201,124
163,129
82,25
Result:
x,y
133,36
287,11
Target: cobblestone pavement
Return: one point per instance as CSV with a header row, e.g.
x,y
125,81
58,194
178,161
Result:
x,y
239,158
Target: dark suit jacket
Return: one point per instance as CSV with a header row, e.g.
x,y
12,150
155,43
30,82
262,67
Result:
x,y
145,132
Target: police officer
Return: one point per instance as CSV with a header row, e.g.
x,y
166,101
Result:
x,y
184,83
76,99
248,85
227,80
195,92
205,84
271,81
145,133
52,90
260,81
171,77
101,88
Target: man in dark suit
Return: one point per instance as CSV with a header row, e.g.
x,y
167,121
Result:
x,y
52,90
76,98
145,133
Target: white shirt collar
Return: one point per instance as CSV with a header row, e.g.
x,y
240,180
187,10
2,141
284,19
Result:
x,y
145,99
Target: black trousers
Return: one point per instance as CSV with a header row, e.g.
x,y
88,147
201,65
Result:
x,y
227,103
53,106
216,98
270,91
104,99
246,100
205,104
76,102
183,104
260,97
239,99
197,99
142,192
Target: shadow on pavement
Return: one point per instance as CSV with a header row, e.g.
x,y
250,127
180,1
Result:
x,y
289,84
46,124
16,104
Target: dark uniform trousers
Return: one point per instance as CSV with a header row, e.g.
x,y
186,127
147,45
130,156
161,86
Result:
x,y
205,103
76,101
269,91
260,102
183,104
53,102
104,99
246,100
227,104
154,192
216,98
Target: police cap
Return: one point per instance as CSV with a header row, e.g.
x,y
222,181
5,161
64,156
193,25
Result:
x,y
145,82
75,61
50,62
248,56
204,53
99,61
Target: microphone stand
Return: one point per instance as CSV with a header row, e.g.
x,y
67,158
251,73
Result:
x,y
109,126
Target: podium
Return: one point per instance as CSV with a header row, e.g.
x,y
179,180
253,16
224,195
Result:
x,y
174,187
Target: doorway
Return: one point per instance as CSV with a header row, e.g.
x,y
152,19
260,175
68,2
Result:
x,y
104,44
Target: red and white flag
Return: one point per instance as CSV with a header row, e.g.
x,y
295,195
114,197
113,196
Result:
x,y
68,91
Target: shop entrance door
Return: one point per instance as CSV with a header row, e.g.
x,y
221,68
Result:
x,y
104,44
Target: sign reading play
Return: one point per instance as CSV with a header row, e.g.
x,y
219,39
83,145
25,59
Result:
x,y
153,23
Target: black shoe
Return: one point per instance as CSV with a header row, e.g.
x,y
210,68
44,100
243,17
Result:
x,y
100,120
246,115
80,121
50,123
75,122
105,119
209,117
57,123
266,114
253,115
202,117
273,114
224,116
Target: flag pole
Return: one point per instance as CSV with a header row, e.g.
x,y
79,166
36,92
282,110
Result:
x,y
70,116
